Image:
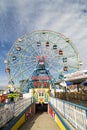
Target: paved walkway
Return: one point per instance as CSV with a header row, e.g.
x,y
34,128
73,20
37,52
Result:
x,y
41,121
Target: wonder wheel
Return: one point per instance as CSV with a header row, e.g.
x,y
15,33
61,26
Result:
x,y
41,55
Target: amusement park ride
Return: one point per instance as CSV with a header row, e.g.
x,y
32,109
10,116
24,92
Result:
x,y
39,60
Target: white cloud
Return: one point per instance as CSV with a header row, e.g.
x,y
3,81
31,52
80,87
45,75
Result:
x,y
3,80
3,6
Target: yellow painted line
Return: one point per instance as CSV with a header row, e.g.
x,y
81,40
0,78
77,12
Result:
x,y
19,123
59,123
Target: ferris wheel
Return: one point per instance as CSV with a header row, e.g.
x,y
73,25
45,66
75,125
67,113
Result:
x,y
46,49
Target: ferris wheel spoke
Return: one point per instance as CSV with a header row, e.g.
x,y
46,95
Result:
x,y
72,56
18,74
57,62
20,58
29,53
19,63
31,45
66,46
25,75
74,67
27,57
54,68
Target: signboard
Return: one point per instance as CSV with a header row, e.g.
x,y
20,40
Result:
x,y
76,75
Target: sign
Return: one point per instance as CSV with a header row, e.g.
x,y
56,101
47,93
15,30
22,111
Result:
x,y
76,75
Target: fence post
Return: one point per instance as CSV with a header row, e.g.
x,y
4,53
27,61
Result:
x,y
86,119
64,109
75,117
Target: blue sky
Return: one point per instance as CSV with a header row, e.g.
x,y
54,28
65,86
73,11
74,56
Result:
x,y
18,17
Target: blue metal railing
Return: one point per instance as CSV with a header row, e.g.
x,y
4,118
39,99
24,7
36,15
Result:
x,y
75,114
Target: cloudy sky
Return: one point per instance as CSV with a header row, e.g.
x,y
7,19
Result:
x,y
18,17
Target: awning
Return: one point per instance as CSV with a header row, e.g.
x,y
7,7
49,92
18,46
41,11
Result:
x,y
84,83
69,83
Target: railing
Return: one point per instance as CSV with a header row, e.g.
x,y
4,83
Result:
x,y
6,114
11,110
21,105
75,114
